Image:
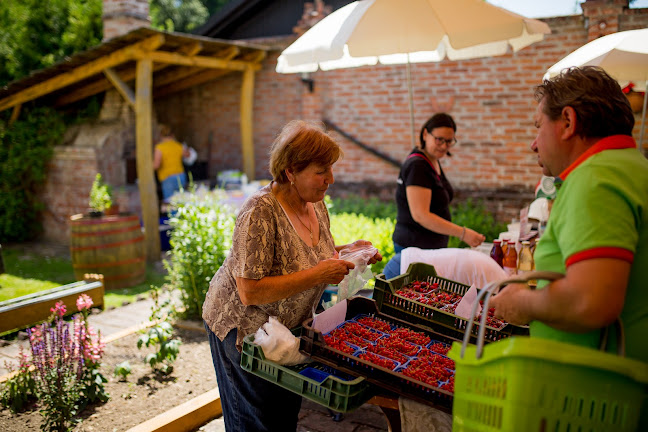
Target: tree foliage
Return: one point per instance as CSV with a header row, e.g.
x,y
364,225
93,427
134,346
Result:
x,y
179,16
182,15
36,34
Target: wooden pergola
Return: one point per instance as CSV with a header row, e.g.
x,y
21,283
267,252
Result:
x,y
157,64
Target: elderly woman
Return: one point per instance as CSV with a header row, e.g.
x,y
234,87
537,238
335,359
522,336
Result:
x,y
282,257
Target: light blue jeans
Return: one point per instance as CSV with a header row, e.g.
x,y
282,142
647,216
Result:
x,y
392,268
172,184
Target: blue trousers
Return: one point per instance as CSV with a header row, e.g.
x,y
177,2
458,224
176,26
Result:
x,y
392,268
250,403
172,184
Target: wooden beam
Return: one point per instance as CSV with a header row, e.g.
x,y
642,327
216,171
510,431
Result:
x,y
14,114
191,49
185,71
256,57
196,61
193,81
144,155
247,141
102,85
228,53
121,87
179,73
82,72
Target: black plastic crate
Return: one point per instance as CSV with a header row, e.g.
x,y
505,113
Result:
x,y
313,344
331,388
440,321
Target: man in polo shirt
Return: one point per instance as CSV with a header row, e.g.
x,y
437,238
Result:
x,y
597,234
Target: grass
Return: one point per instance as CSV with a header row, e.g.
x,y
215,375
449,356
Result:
x,y
30,269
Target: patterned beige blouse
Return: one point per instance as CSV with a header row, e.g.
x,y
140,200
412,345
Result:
x,y
265,243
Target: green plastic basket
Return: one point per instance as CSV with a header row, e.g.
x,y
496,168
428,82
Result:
x,y
333,392
443,322
530,384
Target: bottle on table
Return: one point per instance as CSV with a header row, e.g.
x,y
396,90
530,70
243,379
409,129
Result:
x,y
525,260
496,252
509,263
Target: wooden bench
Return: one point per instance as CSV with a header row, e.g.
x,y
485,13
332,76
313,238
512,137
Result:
x,y
22,312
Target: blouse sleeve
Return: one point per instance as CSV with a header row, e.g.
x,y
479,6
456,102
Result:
x,y
254,241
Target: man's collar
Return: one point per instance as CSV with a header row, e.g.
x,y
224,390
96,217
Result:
x,y
614,142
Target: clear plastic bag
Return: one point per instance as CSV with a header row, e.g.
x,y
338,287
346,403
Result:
x,y
358,277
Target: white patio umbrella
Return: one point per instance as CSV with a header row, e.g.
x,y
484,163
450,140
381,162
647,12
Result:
x,y
366,32
623,55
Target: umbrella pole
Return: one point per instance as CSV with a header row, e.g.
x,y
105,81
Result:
x,y
643,119
411,101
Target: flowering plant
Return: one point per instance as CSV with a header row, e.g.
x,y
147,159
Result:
x,y
63,371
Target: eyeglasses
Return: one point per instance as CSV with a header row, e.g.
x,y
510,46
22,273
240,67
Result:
x,y
449,142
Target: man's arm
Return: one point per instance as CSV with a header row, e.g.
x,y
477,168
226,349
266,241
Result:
x,y
589,297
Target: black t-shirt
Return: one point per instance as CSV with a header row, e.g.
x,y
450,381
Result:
x,y
417,171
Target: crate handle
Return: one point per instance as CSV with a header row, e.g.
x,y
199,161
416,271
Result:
x,y
486,294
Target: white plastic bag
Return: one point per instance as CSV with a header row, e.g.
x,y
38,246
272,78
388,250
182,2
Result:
x,y
193,155
358,276
278,343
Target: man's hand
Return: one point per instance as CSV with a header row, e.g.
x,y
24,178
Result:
x,y
511,304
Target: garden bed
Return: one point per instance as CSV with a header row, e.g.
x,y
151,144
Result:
x,y
145,395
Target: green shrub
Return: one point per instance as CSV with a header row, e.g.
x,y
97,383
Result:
x,y
371,207
25,149
201,236
474,215
160,336
348,227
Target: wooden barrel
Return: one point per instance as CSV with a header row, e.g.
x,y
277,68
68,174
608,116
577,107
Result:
x,y
110,245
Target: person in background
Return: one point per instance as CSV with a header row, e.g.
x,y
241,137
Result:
x,y
597,233
282,258
167,161
423,194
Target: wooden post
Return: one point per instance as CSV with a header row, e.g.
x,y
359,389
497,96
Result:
x,y
144,154
247,142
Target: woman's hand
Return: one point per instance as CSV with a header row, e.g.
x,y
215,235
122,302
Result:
x,y
473,238
358,243
331,271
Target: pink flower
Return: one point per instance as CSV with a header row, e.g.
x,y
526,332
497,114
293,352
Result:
x,y
59,309
84,302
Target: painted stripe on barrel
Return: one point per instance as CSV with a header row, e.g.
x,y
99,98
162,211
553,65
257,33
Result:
x,y
92,221
110,264
124,276
107,245
100,233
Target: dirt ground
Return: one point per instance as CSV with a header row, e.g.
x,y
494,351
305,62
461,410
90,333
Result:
x,y
144,395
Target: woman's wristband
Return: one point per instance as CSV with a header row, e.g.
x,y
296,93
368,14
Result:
x,y
463,233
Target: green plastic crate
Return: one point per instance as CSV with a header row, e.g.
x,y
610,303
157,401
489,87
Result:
x,y
443,322
313,344
335,393
531,384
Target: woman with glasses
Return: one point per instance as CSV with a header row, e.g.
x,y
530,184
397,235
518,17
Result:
x,y
423,195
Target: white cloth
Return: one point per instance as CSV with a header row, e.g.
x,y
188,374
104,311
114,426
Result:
x,y
465,266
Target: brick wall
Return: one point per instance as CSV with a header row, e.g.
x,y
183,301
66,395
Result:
x,y
70,175
491,99
121,16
